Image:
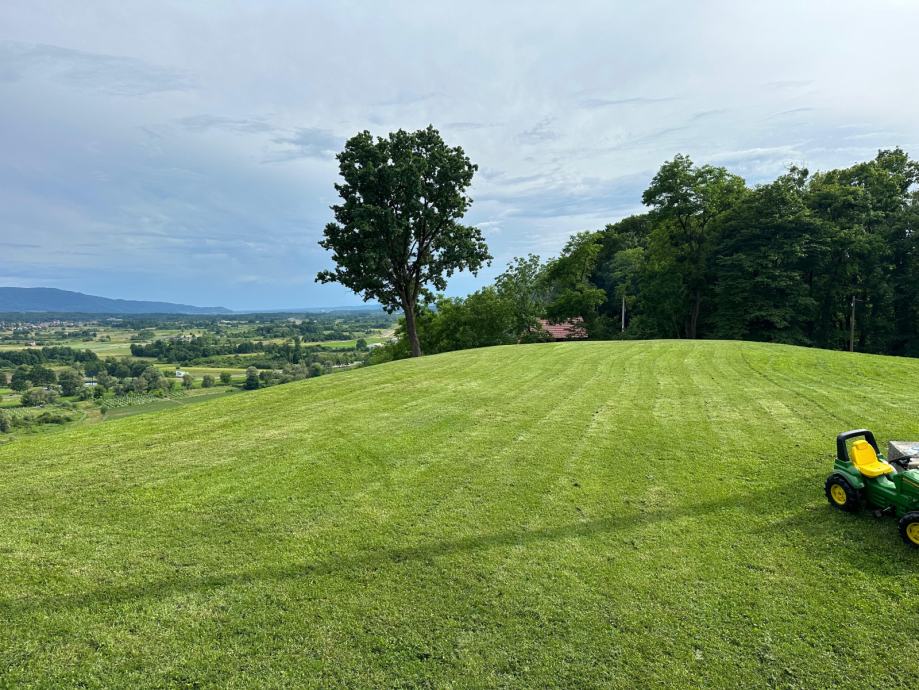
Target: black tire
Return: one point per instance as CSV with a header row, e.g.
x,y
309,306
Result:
x,y
843,490
909,529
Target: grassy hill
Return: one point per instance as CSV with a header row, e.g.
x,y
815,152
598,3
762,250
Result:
x,y
593,514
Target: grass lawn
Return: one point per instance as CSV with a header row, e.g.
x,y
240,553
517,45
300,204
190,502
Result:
x,y
640,514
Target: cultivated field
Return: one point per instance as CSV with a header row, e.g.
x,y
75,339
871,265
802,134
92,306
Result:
x,y
641,514
110,342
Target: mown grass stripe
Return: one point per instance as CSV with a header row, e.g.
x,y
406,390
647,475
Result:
x,y
623,514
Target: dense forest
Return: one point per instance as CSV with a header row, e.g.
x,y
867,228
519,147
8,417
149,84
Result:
x,y
826,259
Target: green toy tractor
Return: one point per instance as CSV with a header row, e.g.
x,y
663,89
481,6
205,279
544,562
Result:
x,y
862,476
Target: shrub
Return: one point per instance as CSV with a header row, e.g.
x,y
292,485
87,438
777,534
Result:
x,y
207,381
38,396
252,381
49,418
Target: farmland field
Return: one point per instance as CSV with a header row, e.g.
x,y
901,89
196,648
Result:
x,y
157,404
236,372
632,514
140,356
103,349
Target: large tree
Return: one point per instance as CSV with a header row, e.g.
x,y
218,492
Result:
x,y
686,201
573,295
866,213
70,380
522,285
398,231
766,250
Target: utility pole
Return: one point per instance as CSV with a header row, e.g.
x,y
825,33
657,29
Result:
x,y
623,312
852,327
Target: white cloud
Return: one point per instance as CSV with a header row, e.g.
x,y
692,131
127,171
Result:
x,y
170,149
112,74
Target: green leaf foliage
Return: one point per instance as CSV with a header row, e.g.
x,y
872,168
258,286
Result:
x,y
397,232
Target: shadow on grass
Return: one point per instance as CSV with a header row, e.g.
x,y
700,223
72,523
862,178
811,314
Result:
x,y
870,544
817,523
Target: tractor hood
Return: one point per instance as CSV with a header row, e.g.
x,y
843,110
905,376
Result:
x,y
909,482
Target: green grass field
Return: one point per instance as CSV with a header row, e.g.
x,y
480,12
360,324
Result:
x,y
641,514
345,344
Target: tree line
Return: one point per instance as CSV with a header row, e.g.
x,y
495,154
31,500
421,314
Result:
x,y
188,350
45,355
825,259
829,259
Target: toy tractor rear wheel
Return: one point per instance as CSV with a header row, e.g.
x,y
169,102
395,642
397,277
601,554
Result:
x,y
841,494
909,529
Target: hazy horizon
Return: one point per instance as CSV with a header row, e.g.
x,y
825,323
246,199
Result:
x,y
369,306
185,153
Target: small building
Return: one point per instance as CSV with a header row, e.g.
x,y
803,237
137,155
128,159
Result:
x,y
179,373
573,329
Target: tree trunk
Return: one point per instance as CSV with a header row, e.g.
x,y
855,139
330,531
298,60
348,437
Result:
x,y
623,313
411,330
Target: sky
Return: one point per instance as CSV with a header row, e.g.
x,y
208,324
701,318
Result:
x,y
185,151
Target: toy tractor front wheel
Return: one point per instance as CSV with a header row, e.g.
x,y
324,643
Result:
x,y
841,494
909,529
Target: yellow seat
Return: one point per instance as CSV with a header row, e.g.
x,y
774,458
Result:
x,y
866,460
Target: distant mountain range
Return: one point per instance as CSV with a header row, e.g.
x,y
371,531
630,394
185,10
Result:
x,y
14,299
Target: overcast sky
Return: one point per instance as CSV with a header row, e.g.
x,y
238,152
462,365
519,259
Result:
x,y
185,151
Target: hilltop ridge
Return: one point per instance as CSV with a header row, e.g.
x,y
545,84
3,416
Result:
x,y
18,299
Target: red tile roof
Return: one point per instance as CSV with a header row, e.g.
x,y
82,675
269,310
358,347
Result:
x,y
565,330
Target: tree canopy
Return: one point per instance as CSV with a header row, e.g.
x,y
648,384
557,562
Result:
x,y
397,232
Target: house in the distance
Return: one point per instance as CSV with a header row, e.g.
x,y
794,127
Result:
x,y
572,329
